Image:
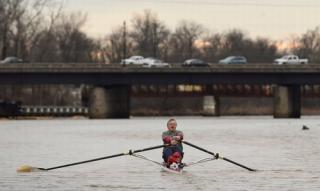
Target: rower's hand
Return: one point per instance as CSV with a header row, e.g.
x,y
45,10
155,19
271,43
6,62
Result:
x,y
174,142
178,138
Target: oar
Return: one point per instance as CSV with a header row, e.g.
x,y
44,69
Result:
x,y
27,168
217,155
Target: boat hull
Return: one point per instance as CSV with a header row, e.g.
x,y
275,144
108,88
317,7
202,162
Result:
x,y
175,171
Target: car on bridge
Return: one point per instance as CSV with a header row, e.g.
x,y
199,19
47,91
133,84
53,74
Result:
x,y
133,60
11,59
290,59
194,62
233,60
154,63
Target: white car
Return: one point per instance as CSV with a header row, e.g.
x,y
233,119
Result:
x,y
234,60
153,62
11,59
134,60
290,59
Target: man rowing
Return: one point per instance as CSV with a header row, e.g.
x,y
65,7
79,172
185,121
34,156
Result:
x,y
174,152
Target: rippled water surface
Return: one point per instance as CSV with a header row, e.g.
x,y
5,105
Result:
x,y
287,157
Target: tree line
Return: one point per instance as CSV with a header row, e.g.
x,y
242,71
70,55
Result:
x,y
149,36
40,31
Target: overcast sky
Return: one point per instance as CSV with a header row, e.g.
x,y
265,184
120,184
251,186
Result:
x,y
275,19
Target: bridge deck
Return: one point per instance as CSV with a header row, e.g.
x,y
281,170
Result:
x,y
174,68
81,73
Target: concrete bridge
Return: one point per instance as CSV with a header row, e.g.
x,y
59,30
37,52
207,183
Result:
x,y
110,97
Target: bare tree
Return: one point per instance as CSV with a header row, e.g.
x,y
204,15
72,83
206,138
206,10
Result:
x,y
261,50
43,45
309,45
20,23
233,43
116,43
148,34
7,14
211,50
73,45
183,39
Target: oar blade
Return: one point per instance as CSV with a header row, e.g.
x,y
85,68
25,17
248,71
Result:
x,y
27,168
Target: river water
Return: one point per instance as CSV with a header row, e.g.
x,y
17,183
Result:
x,y
287,158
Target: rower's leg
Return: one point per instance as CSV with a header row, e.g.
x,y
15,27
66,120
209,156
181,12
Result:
x,y
167,151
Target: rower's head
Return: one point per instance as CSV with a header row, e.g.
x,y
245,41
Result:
x,y
172,125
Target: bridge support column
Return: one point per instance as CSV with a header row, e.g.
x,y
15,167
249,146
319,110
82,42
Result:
x,y
211,106
287,101
109,102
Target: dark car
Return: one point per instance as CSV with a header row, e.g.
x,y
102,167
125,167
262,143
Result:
x,y
233,60
194,62
11,59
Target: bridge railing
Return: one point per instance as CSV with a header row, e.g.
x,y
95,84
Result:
x,y
53,111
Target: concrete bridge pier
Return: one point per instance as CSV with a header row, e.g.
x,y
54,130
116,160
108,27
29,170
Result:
x,y
287,101
211,106
109,102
